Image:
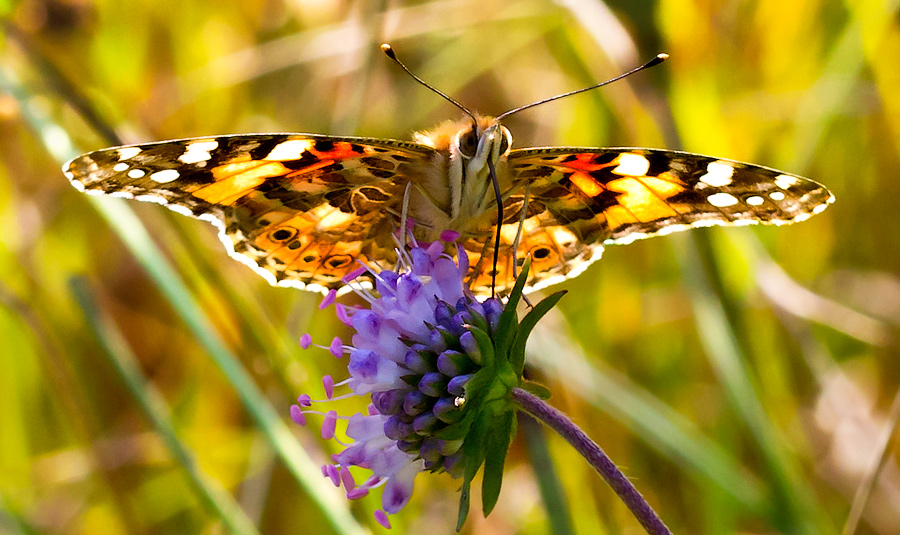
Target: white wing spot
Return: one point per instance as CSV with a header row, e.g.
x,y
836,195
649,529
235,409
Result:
x,y
670,229
152,198
776,196
631,164
180,209
198,151
70,175
722,199
119,167
136,173
786,181
166,175
818,209
289,150
718,174
127,153
755,200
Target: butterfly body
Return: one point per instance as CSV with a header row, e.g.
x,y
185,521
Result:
x,y
303,209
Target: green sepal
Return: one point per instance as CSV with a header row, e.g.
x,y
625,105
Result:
x,y
411,380
474,452
495,455
537,389
485,346
458,430
507,325
464,501
450,339
478,321
517,353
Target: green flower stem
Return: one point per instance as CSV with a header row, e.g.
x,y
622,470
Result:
x,y
560,423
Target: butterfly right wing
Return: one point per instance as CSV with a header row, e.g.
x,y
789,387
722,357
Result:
x,y
300,209
580,199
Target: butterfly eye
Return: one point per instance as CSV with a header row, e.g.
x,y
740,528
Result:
x,y
505,140
468,143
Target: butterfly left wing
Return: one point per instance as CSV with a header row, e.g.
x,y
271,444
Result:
x,y
300,209
581,199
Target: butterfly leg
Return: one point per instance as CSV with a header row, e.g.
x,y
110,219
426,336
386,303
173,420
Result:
x,y
404,215
515,244
499,199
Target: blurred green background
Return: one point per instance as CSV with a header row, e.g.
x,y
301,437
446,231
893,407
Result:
x,y
744,378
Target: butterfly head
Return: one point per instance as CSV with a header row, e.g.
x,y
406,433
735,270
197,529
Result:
x,y
478,141
469,140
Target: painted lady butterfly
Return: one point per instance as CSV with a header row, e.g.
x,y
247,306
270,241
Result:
x,y
303,209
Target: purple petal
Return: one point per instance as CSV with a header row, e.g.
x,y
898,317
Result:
x,y
399,488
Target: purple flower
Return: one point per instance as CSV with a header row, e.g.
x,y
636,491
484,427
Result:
x,y
414,351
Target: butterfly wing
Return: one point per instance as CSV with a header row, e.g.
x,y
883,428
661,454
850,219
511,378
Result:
x,y
300,209
582,199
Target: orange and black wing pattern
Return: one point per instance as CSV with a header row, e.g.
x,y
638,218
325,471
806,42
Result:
x,y
300,209
580,199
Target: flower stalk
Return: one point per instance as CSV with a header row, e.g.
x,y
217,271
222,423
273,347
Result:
x,y
594,455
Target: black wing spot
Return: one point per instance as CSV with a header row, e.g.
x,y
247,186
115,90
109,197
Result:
x,y
265,147
283,234
338,261
541,253
324,145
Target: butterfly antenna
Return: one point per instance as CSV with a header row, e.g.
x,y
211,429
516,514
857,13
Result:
x,y
389,52
652,63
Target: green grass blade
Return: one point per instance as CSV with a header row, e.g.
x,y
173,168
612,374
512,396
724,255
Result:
x,y
151,402
796,509
132,232
644,414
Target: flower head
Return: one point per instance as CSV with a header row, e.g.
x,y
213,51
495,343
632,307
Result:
x,y
435,362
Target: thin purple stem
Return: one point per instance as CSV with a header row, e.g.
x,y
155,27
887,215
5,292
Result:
x,y
560,423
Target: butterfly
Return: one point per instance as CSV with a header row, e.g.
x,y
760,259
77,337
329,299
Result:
x,y
303,210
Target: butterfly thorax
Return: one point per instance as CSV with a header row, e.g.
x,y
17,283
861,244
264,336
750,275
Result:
x,y
458,193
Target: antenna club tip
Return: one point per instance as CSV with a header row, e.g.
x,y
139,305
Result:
x,y
388,50
662,56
